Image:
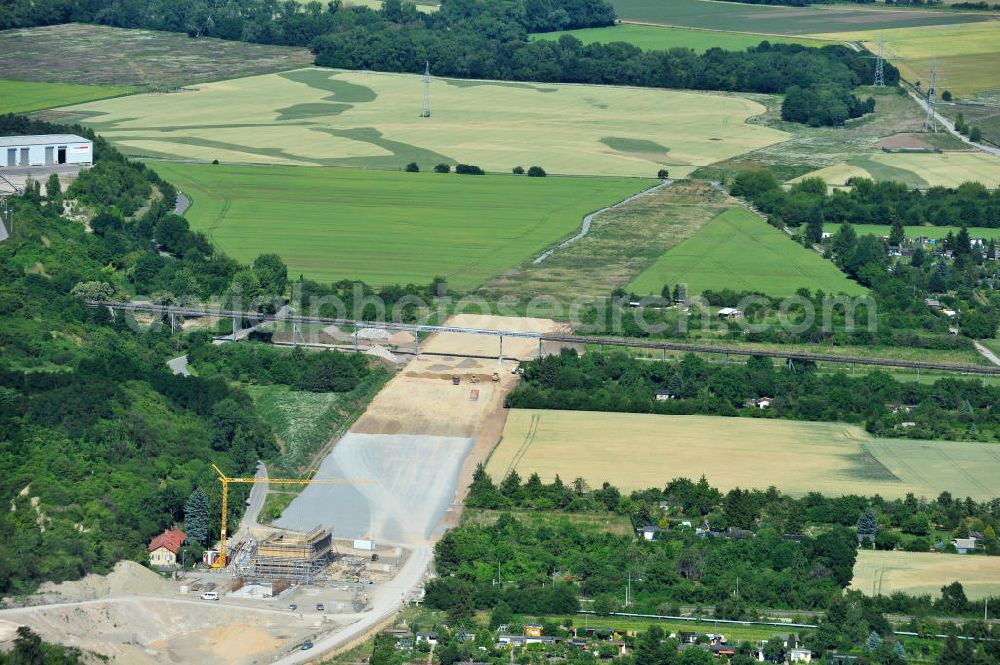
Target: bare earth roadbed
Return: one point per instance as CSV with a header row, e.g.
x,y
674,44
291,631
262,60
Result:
x,y
412,441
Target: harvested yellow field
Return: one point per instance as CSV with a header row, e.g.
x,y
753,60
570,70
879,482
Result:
x,y
925,573
948,169
637,451
967,54
328,117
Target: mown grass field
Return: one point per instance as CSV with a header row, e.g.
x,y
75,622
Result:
x,y
386,227
776,20
738,250
655,37
967,55
25,96
101,55
918,573
923,170
334,118
936,232
636,451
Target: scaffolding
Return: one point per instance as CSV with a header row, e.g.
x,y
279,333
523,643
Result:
x,y
298,557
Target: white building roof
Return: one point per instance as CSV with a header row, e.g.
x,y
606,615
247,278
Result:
x,y
40,139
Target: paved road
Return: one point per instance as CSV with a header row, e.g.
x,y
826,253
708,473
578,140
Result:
x,y
950,127
179,365
585,229
258,493
986,353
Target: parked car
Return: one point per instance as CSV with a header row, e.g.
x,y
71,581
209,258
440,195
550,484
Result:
x,y
292,607
320,607
210,595
306,645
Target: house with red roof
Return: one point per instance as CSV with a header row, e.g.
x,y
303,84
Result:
x,y
163,549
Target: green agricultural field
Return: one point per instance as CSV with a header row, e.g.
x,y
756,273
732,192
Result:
x,y
917,573
738,250
967,55
948,169
936,232
621,244
386,227
334,118
655,37
776,20
796,457
100,55
25,96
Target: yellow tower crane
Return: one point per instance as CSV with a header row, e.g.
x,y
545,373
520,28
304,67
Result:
x,y
222,561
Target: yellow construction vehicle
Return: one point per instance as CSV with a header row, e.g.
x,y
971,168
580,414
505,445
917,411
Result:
x,y
223,561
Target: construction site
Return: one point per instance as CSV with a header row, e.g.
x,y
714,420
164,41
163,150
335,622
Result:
x,y
349,551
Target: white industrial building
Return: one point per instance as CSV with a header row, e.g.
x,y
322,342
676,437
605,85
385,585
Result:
x,y
45,150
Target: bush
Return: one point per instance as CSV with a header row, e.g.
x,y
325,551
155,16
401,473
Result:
x,y
412,168
469,169
215,161
946,96
442,168
662,174
975,134
518,170
536,172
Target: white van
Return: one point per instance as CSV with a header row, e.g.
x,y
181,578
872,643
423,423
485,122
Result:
x,y
210,595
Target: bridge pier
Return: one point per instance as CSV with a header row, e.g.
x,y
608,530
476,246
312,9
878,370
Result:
x,y
539,347
416,340
501,350
356,338
236,327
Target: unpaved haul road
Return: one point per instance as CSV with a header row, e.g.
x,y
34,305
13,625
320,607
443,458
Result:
x,y
386,600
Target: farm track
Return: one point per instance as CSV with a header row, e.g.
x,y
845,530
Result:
x,y
585,228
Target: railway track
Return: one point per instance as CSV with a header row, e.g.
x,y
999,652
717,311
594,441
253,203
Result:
x,y
614,342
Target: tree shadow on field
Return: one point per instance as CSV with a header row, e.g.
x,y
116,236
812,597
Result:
x,y
343,91
402,153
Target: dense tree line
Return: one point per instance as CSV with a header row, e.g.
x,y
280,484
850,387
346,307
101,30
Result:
x,y
680,567
742,515
949,408
489,39
819,76
292,23
327,371
869,202
746,508
820,104
101,446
